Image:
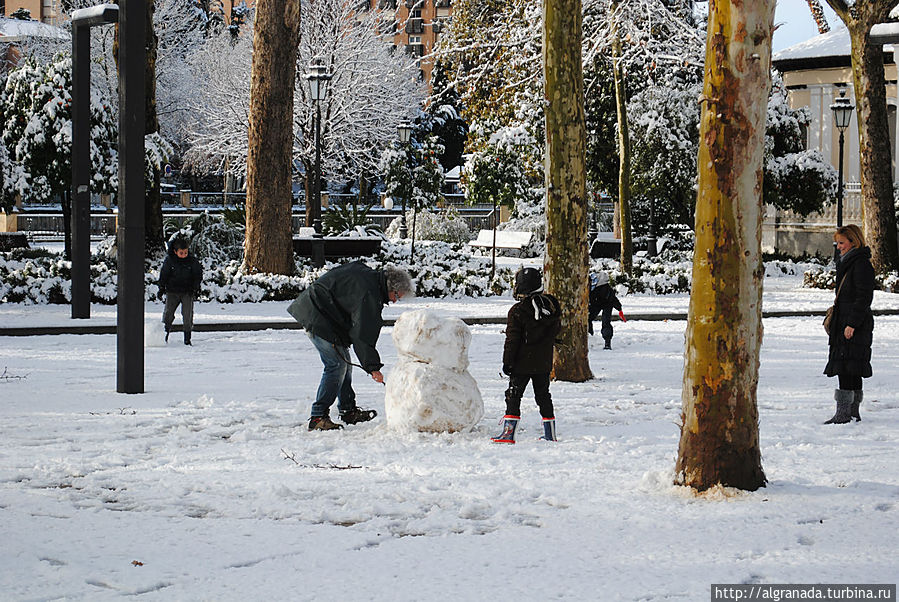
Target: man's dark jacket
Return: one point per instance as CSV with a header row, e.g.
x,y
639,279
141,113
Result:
x,y
179,275
344,306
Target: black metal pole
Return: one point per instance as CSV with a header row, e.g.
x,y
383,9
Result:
x,y
81,165
404,231
414,216
130,235
651,246
493,250
836,252
318,244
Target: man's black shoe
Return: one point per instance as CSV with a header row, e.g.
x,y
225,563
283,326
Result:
x,y
357,415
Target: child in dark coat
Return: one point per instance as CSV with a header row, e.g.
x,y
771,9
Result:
x,y
531,329
179,280
603,299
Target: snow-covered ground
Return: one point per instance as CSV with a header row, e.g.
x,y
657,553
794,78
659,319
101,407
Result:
x,y
209,487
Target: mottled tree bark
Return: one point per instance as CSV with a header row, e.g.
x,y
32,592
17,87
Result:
x,y
719,441
269,241
624,154
566,262
873,130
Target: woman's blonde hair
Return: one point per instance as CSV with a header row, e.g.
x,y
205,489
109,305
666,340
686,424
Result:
x,y
853,234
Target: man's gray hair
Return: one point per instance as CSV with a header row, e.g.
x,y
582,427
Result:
x,y
398,281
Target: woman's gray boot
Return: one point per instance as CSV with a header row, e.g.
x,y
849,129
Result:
x,y
844,398
857,401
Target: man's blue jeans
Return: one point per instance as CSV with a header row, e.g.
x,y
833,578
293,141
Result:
x,y
337,378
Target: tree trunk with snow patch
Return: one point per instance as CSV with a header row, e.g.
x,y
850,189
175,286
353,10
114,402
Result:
x,y
719,441
269,239
566,262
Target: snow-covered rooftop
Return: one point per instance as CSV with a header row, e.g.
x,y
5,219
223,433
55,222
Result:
x,y
833,43
824,50
15,30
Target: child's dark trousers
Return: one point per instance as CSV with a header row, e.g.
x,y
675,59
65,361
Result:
x,y
518,383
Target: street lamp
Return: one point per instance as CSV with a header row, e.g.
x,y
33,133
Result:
x,y
82,21
842,114
405,133
317,75
130,237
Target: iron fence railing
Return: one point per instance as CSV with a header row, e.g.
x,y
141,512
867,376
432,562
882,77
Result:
x,y
50,225
43,221
852,211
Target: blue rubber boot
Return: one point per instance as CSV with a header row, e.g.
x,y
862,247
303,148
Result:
x,y
549,429
510,423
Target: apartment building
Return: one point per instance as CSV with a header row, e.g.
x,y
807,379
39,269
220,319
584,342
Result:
x,y
416,23
55,12
45,11
416,27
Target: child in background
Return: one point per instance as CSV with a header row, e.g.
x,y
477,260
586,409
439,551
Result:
x,y
531,329
179,280
603,299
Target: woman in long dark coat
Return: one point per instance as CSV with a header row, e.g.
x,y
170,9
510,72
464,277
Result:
x,y
852,327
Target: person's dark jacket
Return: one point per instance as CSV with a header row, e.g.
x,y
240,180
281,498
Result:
x,y
852,307
602,297
180,275
531,329
344,307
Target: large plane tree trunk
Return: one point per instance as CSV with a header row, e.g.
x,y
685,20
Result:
x,y
269,239
873,129
567,260
719,441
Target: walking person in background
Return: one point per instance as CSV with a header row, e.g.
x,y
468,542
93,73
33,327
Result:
x,y
179,281
342,308
602,300
531,329
852,325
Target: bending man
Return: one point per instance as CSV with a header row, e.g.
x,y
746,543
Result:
x,y
342,308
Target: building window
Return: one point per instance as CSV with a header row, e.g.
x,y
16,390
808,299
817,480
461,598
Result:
x,y
414,40
415,26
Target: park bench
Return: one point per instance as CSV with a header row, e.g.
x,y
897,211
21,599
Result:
x,y
336,246
605,245
515,240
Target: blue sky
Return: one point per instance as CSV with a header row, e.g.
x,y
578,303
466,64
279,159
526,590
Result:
x,y
796,23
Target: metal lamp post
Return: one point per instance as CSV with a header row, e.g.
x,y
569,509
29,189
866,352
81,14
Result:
x,y
842,115
82,21
130,237
651,245
317,75
405,133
